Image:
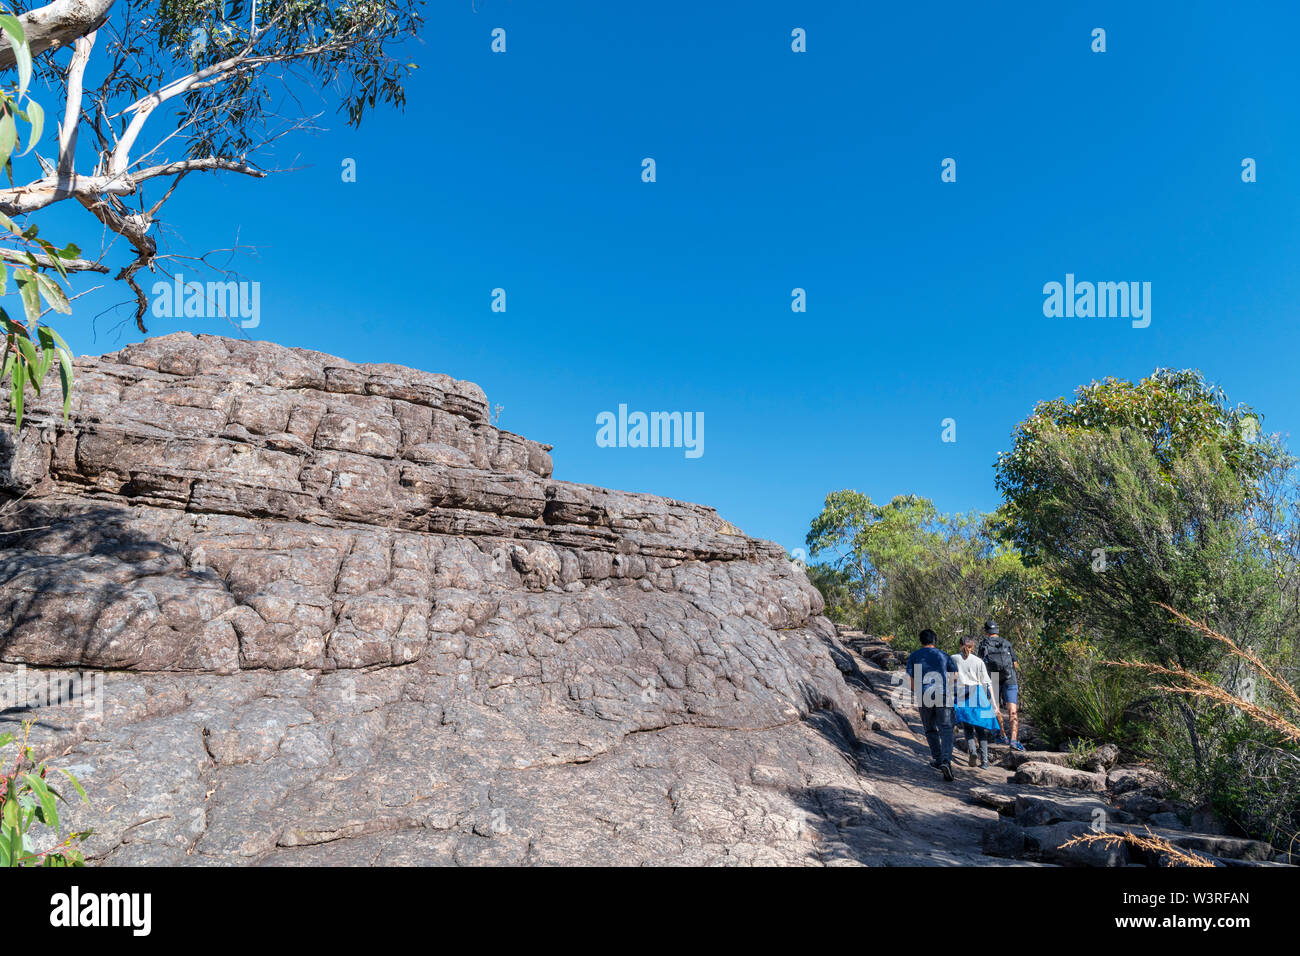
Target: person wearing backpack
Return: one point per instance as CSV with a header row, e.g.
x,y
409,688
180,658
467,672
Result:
x,y
1000,657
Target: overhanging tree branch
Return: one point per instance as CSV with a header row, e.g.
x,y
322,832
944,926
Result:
x,y
19,257
56,25
201,77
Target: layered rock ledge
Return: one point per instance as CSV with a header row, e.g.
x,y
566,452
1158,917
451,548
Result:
x,y
341,617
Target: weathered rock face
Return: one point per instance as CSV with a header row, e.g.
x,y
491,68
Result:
x,y
340,617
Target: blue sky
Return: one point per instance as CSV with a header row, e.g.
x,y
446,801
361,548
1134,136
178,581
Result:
x,y
778,170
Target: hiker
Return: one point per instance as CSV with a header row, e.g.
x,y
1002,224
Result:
x,y
927,673
1000,658
973,710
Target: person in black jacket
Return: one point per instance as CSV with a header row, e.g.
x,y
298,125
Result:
x,y
1000,657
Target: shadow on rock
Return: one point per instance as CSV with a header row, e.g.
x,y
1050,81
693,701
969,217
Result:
x,y
74,580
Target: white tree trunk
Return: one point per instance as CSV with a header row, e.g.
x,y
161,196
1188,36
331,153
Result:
x,y
56,25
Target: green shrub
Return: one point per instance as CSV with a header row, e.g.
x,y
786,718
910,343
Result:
x,y
1068,694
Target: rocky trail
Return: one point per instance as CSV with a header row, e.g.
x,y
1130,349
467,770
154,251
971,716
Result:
x,y
1026,805
278,608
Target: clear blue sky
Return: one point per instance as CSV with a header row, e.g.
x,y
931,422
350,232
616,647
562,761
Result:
x,y
775,170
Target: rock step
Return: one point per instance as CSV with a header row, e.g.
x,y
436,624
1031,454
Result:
x,y
1038,773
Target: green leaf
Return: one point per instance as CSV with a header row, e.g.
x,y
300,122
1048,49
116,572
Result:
x,y
22,52
33,360
13,27
54,295
52,345
29,289
58,339
16,393
36,117
8,134
76,784
65,380
47,359
49,807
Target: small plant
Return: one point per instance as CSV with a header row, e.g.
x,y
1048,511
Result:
x,y
27,798
1080,751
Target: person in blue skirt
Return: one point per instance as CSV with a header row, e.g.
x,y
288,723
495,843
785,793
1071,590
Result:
x,y
973,708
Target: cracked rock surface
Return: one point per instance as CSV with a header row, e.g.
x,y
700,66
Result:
x,y
318,612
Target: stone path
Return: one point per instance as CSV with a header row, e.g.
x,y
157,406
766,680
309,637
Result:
x,y
1025,806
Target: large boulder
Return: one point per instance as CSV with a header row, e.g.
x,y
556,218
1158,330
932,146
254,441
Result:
x,y
1140,803
1208,844
1039,809
1122,780
1003,838
1001,799
1100,759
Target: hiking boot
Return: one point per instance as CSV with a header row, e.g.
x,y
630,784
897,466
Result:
x,y
1001,739
935,764
947,771
1017,745
970,759
984,763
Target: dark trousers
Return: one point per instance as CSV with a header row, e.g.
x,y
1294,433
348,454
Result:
x,y
974,734
937,722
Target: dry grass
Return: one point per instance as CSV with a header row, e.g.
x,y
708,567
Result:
x,y
1285,721
1148,842
1245,654
1191,685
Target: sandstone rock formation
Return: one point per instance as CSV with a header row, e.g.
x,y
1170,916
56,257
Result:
x,y
342,618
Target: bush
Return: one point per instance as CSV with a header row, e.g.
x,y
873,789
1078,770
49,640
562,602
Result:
x,y
1247,768
1069,692
836,589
